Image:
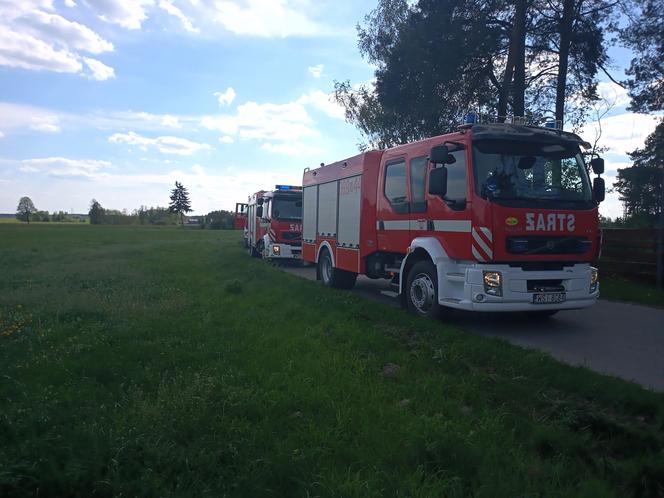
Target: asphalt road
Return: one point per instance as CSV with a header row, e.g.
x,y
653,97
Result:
x,y
624,340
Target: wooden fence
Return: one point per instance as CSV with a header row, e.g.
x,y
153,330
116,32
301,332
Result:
x,y
631,253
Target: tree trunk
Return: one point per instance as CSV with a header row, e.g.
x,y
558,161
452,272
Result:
x,y
566,25
181,218
514,79
519,41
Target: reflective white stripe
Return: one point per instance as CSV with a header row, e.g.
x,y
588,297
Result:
x,y
487,233
477,255
420,224
451,225
462,226
394,225
487,250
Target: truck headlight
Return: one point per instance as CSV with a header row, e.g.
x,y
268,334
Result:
x,y
594,279
493,283
276,250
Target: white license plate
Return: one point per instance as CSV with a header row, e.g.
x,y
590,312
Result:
x,y
549,298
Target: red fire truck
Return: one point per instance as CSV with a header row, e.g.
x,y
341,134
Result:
x,y
493,217
274,224
240,219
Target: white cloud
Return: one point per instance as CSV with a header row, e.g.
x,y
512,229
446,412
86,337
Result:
x,y
70,3
99,70
613,94
292,149
268,121
2,135
34,37
323,102
164,144
18,116
226,97
168,6
275,122
316,71
267,18
129,14
61,166
226,139
621,133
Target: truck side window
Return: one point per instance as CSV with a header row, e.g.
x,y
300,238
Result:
x,y
457,181
395,182
418,175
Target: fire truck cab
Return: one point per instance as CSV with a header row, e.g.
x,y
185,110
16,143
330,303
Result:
x,y
240,219
274,224
494,217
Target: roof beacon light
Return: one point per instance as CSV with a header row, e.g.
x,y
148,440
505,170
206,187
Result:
x,y
471,118
552,124
287,187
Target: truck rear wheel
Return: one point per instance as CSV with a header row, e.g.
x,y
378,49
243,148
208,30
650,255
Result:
x,y
422,290
334,277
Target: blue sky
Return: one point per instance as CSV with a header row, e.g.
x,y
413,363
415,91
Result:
x,y
116,99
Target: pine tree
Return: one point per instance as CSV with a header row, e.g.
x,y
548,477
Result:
x,y
640,186
96,213
180,201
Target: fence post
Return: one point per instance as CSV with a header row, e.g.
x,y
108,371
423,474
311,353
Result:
x,y
660,236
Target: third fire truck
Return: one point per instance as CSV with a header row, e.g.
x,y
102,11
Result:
x,y
493,217
274,224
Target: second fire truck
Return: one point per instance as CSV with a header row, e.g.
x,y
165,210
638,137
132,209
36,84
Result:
x,y
274,224
494,217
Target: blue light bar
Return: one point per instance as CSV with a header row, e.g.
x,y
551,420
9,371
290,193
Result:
x,y
286,187
471,118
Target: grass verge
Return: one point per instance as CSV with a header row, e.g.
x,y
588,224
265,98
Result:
x,y
165,362
619,289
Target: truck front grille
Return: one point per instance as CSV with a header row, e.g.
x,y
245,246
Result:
x,y
547,244
291,235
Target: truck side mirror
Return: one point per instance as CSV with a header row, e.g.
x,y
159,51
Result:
x,y
259,212
599,189
438,181
438,154
259,202
597,164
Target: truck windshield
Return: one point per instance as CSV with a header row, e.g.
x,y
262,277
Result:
x,y
508,170
287,208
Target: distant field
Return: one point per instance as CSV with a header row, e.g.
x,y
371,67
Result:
x,y
166,362
17,222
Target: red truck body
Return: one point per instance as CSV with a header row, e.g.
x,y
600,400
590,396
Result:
x,y
373,214
274,223
240,218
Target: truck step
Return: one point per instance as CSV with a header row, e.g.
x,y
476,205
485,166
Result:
x,y
389,293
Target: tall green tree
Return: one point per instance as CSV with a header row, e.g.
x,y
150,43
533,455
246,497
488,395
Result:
x,y
25,208
640,186
436,59
96,213
180,201
644,35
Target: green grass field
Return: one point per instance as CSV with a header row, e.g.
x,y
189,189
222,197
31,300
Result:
x,y
620,289
166,362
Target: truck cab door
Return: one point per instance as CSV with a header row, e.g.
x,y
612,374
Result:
x,y
449,217
393,206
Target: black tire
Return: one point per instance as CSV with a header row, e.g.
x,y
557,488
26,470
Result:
x,y
422,290
334,277
256,252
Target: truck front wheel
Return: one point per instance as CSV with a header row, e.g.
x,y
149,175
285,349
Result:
x,y
334,277
422,290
